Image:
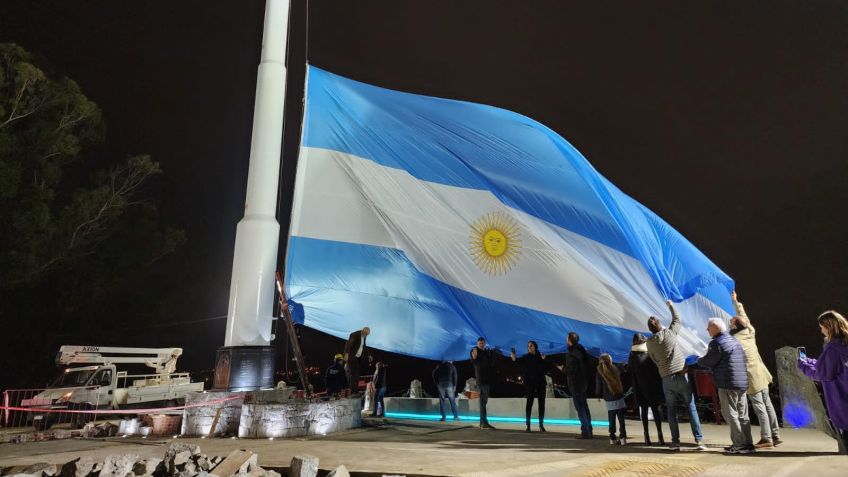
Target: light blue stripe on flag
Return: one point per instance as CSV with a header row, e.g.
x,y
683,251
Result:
x,y
436,221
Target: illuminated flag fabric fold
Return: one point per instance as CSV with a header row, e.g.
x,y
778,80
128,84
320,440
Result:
x,y
437,221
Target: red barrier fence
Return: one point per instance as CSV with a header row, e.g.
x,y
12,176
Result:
x,y
40,409
30,407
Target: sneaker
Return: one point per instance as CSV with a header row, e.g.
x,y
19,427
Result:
x,y
764,443
776,442
542,428
623,441
732,450
675,446
487,426
701,445
613,441
455,418
442,419
747,450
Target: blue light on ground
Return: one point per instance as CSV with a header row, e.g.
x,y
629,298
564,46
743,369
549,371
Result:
x,y
797,414
509,420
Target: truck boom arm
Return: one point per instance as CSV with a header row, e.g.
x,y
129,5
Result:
x,y
163,360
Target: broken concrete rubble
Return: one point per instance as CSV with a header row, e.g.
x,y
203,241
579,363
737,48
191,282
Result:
x,y
303,466
340,471
179,460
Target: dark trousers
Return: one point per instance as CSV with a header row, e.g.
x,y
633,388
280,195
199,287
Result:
x,y
843,436
484,398
528,408
583,413
353,374
657,420
379,405
612,416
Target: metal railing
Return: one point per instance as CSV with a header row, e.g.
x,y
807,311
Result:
x,y
43,408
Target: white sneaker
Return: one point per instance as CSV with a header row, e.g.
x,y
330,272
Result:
x,y
623,441
701,445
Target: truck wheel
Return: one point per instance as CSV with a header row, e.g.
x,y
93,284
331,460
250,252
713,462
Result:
x,y
46,422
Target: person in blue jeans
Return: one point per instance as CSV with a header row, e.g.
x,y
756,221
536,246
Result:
x,y
445,378
576,368
665,351
379,390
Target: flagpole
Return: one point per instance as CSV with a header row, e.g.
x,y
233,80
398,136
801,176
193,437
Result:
x,y
247,351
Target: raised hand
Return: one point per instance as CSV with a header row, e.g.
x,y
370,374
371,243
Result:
x,y
733,295
474,353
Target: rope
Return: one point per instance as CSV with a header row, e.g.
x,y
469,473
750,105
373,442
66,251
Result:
x,y
120,411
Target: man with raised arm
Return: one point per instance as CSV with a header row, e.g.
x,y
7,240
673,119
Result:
x,y
665,351
759,377
483,360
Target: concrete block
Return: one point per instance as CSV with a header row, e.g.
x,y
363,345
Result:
x,y
800,401
146,467
234,463
197,421
120,465
340,471
303,466
41,469
79,467
299,418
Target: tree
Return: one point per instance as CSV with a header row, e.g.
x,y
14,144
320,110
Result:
x,y
75,242
49,222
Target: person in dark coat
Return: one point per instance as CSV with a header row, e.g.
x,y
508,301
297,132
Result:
x,y
379,389
726,358
445,377
647,386
534,369
335,378
576,370
483,360
354,354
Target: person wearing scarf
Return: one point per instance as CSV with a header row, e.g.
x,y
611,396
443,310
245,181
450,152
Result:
x,y
608,384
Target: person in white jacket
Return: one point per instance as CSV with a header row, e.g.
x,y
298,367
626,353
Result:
x,y
759,377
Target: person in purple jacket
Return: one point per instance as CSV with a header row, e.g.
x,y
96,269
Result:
x,y
831,370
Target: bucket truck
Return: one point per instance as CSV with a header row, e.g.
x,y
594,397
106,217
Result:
x,y
92,380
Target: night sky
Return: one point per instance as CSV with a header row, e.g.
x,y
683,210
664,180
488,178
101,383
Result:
x,y
728,119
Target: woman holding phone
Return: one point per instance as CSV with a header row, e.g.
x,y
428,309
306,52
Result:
x,y
831,370
534,368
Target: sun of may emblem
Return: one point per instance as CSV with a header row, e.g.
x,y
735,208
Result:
x,y
495,243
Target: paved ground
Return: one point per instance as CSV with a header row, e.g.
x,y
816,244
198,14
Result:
x,y
431,448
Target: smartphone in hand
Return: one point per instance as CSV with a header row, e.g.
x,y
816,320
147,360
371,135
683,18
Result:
x,y
802,352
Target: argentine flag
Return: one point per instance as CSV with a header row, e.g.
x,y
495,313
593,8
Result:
x,y
436,221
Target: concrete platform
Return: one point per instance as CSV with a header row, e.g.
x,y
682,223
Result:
x,y
500,410
433,448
